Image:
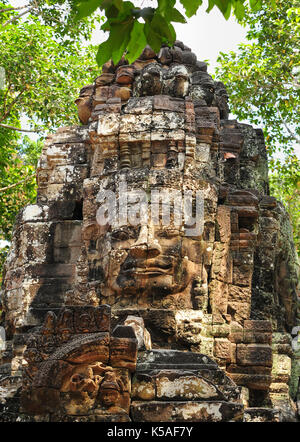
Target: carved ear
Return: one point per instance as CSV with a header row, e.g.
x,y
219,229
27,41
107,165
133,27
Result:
x,y
65,322
121,385
49,324
76,382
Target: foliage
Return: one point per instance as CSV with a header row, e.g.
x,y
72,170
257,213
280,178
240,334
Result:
x,y
263,81
3,255
263,77
45,67
43,77
285,185
131,27
57,15
18,186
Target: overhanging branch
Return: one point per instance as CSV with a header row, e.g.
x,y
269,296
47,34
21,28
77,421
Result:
x,y
292,134
18,128
16,17
11,186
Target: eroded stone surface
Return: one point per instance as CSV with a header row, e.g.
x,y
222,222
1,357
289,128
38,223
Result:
x,y
73,369
228,293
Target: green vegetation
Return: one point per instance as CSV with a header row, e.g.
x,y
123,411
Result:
x,y
263,81
131,27
44,71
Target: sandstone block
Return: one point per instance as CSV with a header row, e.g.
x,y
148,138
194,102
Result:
x,y
254,354
186,411
222,349
179,385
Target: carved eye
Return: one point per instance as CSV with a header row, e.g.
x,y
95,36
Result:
x,y
211,89
169,233
120,235
76,378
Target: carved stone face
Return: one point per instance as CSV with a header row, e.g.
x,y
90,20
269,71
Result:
x,y
221,100
149,81
153,81
149,261
203,87
153,264
109,397
176,82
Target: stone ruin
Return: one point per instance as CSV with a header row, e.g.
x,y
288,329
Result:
x,y
140,321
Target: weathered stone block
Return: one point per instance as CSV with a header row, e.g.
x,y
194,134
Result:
x,y
222,349
261,415
143,387
40,401
184,386
123,352
186,412
236,332
281,369
135,123
258,326
254,354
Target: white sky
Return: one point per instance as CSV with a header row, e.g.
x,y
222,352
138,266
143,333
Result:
x,y
206,34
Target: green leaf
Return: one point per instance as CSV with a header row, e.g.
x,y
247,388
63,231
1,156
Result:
x,y
104,52
176,16
120,35
211,4
164,6
105,4
224,6
115,45
162,27
86,8
153,38
158,31
137,42
255,5
239,10
191,6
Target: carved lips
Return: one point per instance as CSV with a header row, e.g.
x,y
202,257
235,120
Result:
x,y
150,267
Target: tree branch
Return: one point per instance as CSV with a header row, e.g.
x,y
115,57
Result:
x,y
16,184
5,96
13,9
16,17
293,135
292,197
12,105
18,128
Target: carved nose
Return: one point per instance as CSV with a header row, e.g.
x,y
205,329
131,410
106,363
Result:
x,y
145,246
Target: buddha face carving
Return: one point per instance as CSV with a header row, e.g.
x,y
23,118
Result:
x,y
176,81
221,100
154,260
156,145
203,87
149,263
154,81
149,81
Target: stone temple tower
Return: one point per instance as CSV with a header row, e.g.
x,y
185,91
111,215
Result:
x,y
117,314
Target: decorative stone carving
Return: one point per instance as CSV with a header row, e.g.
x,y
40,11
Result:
x,y
170,385
73,369
229,291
